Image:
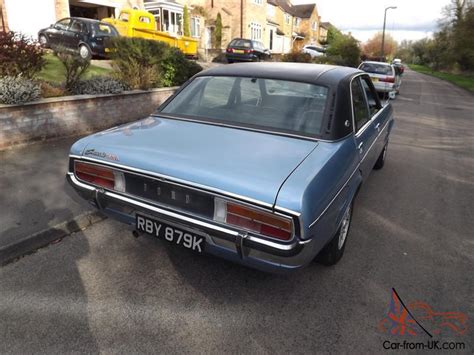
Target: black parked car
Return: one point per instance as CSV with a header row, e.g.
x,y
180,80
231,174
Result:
x,y
86,36
246,50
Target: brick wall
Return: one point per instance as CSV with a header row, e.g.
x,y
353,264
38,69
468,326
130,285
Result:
x,y
74,115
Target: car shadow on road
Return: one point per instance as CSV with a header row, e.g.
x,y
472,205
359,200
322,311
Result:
x,y
39,310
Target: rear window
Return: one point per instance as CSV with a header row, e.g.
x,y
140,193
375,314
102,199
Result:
x,y
376,68
241,43
103,29
276,105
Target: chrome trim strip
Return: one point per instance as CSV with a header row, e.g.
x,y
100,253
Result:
x,y
192,221
286,210
334,198
170,179
220,124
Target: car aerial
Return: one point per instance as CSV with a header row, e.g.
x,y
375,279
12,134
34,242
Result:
x,y
86,36
313,51
384,76
257,163
246,50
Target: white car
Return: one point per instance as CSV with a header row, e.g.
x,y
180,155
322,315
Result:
x,y
383,76
313,51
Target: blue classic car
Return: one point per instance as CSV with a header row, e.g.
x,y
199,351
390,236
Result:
x,y
256,163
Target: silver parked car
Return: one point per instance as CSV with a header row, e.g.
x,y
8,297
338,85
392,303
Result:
x,y
384,76
313,51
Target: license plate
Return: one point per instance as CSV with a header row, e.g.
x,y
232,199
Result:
x,y
170,233
238,51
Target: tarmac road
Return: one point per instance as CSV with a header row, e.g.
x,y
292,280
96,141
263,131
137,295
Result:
x,y
103,291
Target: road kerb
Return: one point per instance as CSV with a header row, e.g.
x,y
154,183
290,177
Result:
x,y
42,238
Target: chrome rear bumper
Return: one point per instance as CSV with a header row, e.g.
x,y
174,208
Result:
x,y
229,243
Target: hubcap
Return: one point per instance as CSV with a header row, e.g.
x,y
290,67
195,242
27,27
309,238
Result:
x,y
42,39
384,152
346,220
84,52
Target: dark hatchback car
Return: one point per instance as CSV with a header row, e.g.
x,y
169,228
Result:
x,y
246,50
86,36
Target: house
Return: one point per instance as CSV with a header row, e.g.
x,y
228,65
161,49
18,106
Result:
x,y
42,13
323,31
306,25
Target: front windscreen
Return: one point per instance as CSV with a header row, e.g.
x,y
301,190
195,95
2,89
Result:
x,y
276,105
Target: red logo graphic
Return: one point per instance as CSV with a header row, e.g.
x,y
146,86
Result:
x,y
401,320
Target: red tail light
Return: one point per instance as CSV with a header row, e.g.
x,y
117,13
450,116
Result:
x,y
100,176
247,51
388,79
230,50
261,222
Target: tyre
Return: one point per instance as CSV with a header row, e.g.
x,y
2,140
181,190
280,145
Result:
x,y
381,159
85,52
334,250
43,40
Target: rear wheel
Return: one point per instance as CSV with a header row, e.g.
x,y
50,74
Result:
x,y
334,250
85,52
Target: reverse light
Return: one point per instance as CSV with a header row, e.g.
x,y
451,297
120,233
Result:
x,y
254,220
100,176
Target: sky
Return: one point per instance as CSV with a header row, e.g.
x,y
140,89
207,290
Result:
x,y
411,20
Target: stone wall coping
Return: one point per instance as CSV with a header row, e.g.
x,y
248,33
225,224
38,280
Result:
x,y
86,97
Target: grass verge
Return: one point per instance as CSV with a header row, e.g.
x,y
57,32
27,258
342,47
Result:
x,y
53,71
464,81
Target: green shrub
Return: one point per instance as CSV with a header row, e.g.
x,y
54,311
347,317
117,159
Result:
x,y
97,86
297,57
137,61
18,90
344,50
143,64
177,69
74,66
50,90
19,55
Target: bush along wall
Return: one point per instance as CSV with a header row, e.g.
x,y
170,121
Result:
x,y
142,64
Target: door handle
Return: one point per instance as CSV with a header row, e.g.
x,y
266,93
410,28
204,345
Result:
x,y
377,126
360,147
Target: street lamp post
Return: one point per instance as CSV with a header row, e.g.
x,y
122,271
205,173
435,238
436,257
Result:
x,y
382,54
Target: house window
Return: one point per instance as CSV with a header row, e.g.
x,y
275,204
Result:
x,y
287,19
270,10
195,27
297,21
258,2
314,26
255,31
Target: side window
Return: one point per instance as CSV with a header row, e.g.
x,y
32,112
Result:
x,y
217,92
361,111
77,26
63,24
372,97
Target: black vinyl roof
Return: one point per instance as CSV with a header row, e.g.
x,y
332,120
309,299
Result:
x,y
329,75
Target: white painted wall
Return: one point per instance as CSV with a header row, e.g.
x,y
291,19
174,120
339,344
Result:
x,y
29,16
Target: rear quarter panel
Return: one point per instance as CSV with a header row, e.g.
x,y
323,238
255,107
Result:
x,y
321,187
